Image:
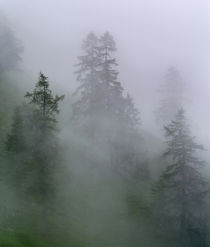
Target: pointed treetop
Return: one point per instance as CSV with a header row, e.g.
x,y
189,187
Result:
x,y
42,97
108,42
90,41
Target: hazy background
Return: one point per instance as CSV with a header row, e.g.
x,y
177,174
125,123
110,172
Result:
x,y
151,35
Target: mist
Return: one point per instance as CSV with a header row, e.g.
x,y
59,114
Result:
x,y
94,148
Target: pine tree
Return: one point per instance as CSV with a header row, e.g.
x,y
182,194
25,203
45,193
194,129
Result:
x,y
125,143
46,105
45,147
181,190
108,117
16,149
111,88
87,76
15,140
33,149
131,115
100,94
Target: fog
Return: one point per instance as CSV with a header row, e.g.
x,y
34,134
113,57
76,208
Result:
x,y
105,171
150,35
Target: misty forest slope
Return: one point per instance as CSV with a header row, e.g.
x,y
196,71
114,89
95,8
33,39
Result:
x,y
77,169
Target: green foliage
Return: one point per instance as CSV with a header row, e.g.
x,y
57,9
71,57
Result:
x,y
45,103
181,190
33,150
94,190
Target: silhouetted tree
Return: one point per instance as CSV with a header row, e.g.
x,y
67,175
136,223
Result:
x,y
45,148
109,118
110,86
87,76
181,190
32,147
100,94
16,149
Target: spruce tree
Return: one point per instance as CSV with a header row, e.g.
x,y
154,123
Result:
x,y
17,153
131,115
109,117
46,105
87,76
100,94
111,88
33,150
181,190
45,147
15,141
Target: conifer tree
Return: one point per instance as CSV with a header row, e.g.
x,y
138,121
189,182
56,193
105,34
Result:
x,y
111,88
33,149
110,118
46,105
16,149
15,140
100,94
87,76
131,115
45,148
181,190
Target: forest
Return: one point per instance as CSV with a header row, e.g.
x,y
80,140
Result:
x,y
78,169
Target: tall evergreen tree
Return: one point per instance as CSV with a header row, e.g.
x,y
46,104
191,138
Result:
x,y
10,50
182,189
110,117
87,76
17,149
100,94
46,107
111,88
33,147
131,115
15,141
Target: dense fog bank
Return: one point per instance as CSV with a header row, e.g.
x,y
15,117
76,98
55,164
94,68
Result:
x,y
104,127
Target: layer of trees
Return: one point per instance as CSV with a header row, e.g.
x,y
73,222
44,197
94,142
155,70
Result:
x,y
93,187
